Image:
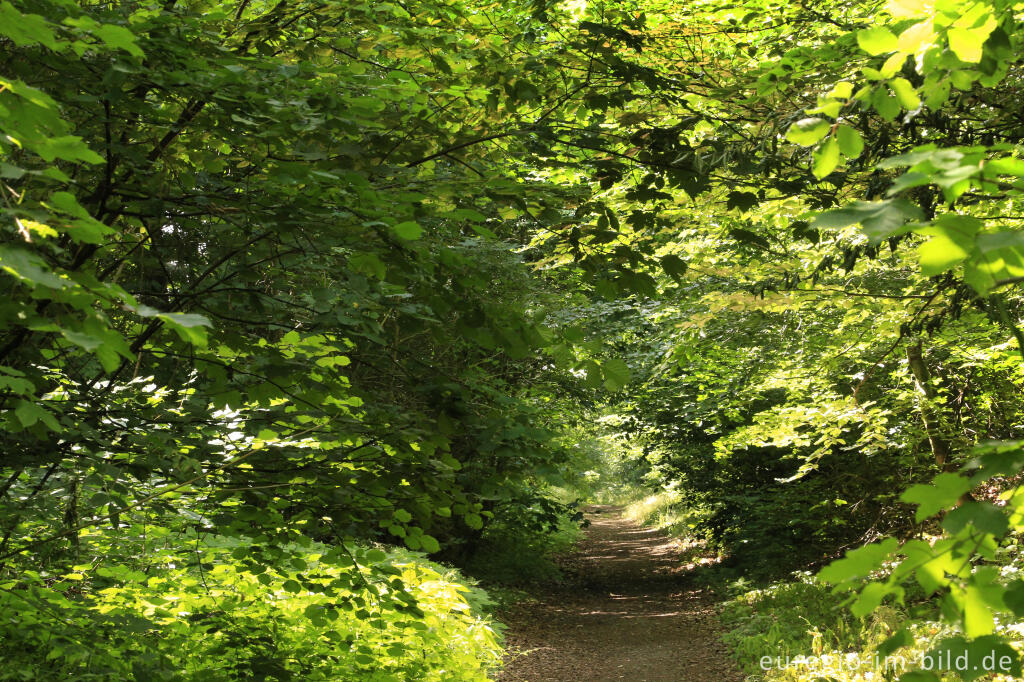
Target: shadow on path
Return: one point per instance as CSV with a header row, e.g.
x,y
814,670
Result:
x,y
626,614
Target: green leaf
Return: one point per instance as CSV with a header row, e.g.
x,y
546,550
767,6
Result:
x,y
859,563
879,219
616,374
963,79
368,264
429,544
877,40
905,93
1004,166
808,131
483,231
89,342
744,201
973,659
977,617
474,521
953,241
932,566
30,267
887,106
25,29
592,373
941,493
826,158
525,91
967,43
937,94
118,37
188,326
408,230
67,203
907,181
28,413
747,237
1013,597
841,90
67,148
984,516
939,254
674,266
17,385
871,597
960,228
900,639
919,155
892,65
850,142
11,172
828,107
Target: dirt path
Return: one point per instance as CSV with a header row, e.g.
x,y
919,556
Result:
x,y
626,614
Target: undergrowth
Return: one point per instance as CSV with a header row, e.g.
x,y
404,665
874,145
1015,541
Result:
x,y
769,629
336,614
512,557
797,630
662,510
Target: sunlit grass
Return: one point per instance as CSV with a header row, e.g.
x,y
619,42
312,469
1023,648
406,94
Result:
x,y
661,510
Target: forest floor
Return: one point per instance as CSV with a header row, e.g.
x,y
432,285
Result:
x,y
628,610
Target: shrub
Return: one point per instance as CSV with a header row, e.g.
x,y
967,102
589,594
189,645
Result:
x,y
338,614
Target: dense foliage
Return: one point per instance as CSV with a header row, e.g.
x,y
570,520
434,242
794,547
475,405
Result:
x,y
257,301
291,283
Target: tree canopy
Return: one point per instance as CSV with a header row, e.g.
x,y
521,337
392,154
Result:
x,y
290,285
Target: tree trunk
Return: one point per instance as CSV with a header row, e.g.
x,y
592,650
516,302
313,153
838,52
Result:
x,y
941,450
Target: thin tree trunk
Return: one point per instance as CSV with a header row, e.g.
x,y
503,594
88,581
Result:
x,y
941,450
71,518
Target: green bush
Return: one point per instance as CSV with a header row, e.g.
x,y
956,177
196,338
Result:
x,y
341,614
513,553
797,631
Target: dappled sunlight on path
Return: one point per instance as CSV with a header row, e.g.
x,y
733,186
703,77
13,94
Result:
x,y
627,614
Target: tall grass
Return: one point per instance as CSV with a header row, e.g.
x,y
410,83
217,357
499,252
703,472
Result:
x,y
663,510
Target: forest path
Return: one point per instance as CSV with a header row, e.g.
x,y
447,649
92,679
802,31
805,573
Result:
x,y
626,613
